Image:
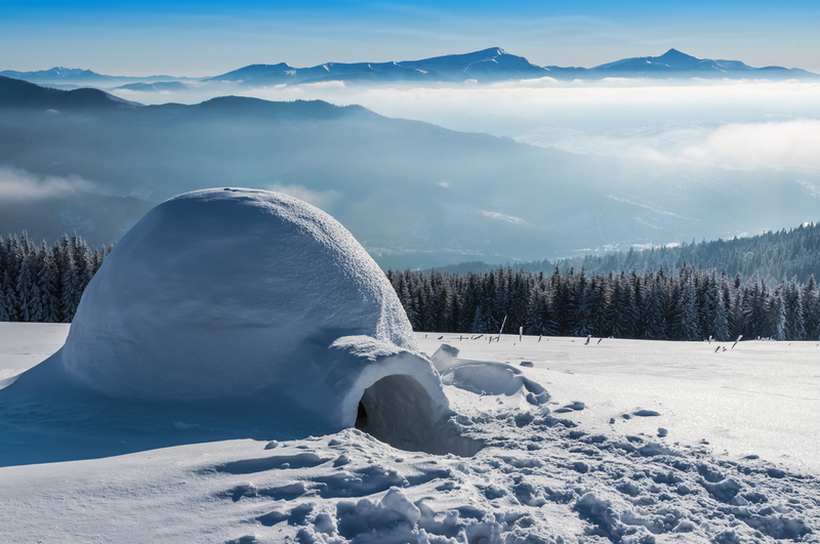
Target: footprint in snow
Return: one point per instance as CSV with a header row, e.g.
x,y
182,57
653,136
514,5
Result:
x,y
574,407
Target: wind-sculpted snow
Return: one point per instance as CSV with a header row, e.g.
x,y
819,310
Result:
x,y
541,479
545,482
486,377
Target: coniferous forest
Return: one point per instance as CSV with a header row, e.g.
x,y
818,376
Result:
x,y
43,283
686,304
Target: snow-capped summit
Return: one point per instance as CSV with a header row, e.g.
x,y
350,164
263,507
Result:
x,y
486,65
671,61
490,64
677,64
259,71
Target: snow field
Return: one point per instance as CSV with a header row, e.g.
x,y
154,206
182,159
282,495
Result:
x,y
760,398
23,345
554,469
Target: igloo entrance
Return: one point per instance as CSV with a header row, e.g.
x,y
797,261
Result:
x,y
399,411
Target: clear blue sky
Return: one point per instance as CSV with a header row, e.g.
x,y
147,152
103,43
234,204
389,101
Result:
x,y
208,37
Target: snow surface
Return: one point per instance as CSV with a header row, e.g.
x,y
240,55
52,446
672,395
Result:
x,y
760,398
23,345
554,470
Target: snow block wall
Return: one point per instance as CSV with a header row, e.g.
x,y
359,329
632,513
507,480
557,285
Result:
x,y
237,294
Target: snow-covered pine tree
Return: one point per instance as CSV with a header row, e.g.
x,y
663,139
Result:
x,y
795,320
654,300
12,262
69,283
776,315
811,309
49,288
689,318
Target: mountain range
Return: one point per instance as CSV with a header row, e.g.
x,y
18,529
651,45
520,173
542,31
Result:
x,y
413,193
486,66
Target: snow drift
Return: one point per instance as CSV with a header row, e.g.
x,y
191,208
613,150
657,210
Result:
x,y
242,296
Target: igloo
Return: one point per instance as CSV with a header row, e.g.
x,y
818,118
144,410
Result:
x,y
237,295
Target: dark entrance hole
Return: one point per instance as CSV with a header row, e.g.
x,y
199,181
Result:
x,y
399,411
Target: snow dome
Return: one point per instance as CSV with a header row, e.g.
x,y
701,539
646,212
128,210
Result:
x,y
237,294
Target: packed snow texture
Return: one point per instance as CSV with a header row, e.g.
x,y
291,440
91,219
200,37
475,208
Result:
x,y
234,297
544,477
561,472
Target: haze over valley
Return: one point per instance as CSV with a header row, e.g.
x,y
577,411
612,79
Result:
x,y
509,163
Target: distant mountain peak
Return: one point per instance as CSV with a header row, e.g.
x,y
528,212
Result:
x,y
675,54
491,64
485,65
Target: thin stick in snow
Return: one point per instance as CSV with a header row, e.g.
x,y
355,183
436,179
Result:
x,y
736,341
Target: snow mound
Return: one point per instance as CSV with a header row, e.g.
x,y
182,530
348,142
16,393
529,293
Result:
x,y
237,295
485,377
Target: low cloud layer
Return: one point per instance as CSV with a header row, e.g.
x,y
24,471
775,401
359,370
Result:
x,y
790,144
733,124
21,186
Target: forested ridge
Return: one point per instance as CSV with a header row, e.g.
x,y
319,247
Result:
x,y
771,256
44,283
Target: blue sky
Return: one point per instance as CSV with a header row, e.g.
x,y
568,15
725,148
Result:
x,y
209,37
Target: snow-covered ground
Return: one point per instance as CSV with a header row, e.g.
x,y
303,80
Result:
x,y
760,398
23,345
584,460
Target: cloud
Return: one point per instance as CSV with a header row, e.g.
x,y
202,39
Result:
x,y
323,200
324,85
790,144
734,124
814,190
19,185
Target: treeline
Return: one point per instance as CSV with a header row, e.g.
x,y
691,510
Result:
x,y
771,257
43,283
688,304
